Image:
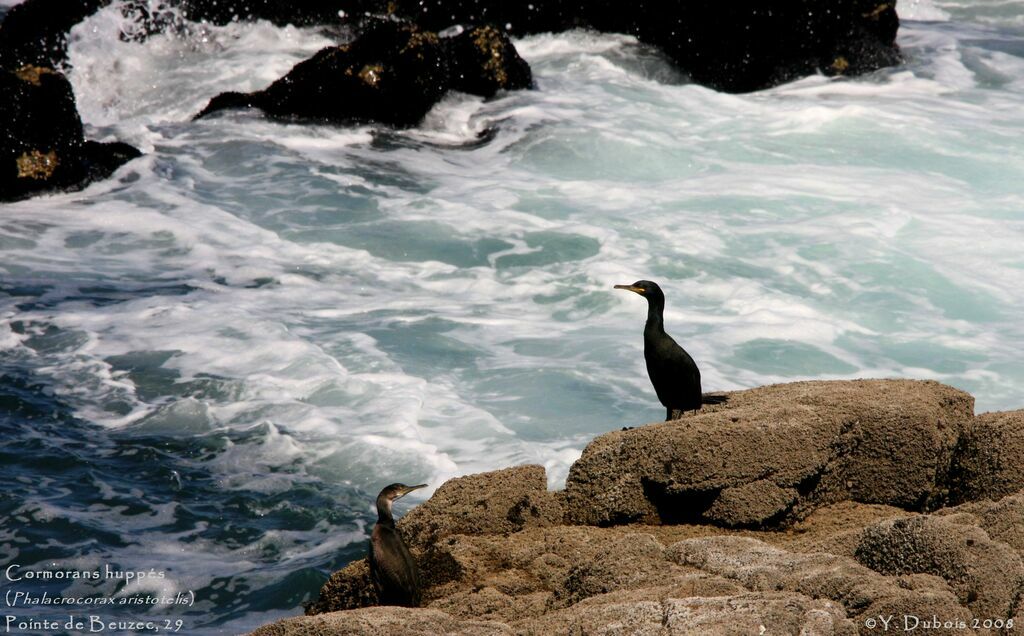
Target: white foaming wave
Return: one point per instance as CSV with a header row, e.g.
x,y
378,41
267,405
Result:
x,y
169,77
939,232
898,85
474,202
323,145
752,315
195,234
966,58
212,334
1004,13
843,183
453,120
921,10
537,49
597,198
280,374
9,339
937,65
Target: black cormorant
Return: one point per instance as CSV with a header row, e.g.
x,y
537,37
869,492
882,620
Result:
x,y
673,372
392,567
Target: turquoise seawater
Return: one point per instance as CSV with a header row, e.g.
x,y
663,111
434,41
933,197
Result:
x,y
213,361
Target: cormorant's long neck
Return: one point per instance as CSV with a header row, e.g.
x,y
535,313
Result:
x,y
655,315
384,516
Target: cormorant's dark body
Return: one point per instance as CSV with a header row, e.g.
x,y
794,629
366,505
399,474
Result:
x,y
673,372
392,567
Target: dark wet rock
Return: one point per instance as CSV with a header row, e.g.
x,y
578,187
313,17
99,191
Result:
x,y
986,575
735,47
483,61
42,147
772,455
738,47
727,46
35,32
988,460
101,159
392,74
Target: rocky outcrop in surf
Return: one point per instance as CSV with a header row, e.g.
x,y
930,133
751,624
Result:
x,y
393,74
483,61
773,454
812,507
734,47
42,145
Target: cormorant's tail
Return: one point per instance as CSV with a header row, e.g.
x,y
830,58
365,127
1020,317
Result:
x,y
714,399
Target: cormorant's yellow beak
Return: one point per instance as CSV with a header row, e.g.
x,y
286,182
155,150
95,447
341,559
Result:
x,y
637,290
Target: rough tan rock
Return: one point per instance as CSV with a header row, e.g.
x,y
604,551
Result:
x,y
784,470
527,574
491,603
835,529
568,563
575,579
985,574
988,461
667,611
751,504
383,621
498,502
635,560
1003,520
758,566
798,446
348,588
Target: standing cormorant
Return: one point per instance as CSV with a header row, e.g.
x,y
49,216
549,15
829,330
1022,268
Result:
x,y
673,372
392,567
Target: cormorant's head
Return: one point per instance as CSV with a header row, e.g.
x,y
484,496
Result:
x,y
388,497
397,491
645,288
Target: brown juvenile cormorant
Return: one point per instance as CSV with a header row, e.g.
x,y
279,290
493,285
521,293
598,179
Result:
x,y
392,567
673,372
